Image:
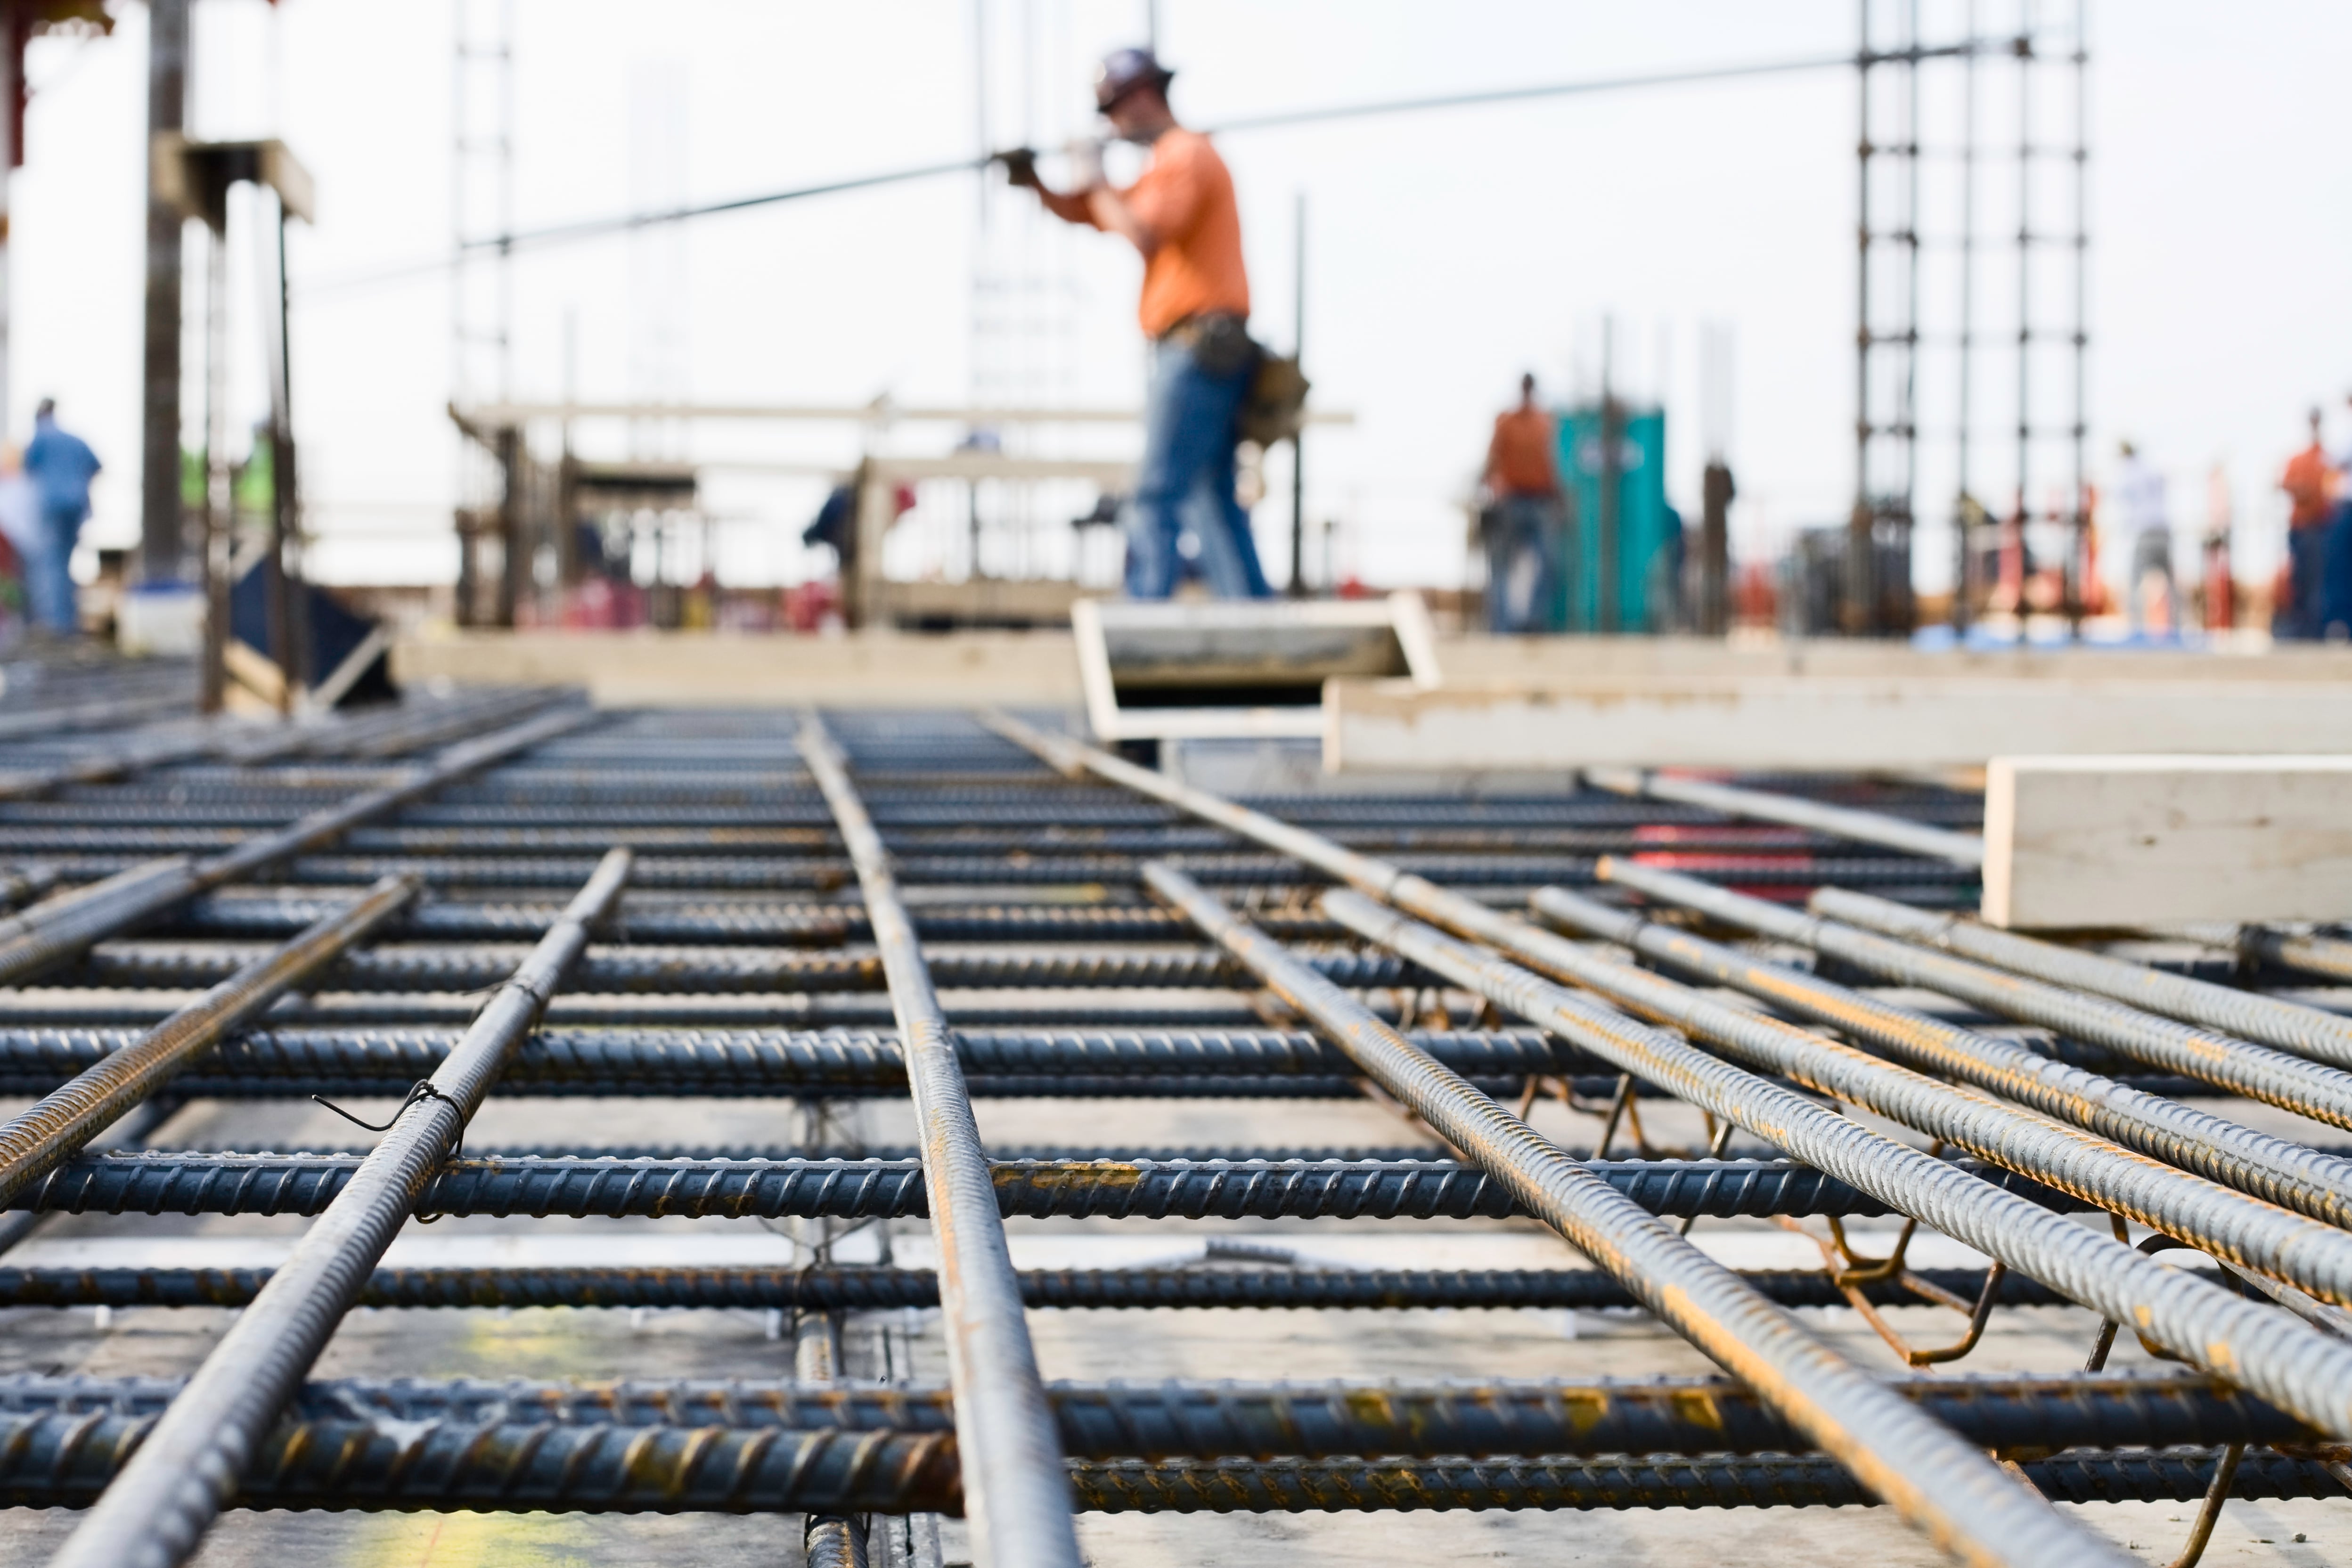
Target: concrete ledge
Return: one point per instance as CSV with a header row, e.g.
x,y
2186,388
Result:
x,y
720,669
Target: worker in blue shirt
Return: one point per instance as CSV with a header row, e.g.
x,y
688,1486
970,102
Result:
x,y
61,465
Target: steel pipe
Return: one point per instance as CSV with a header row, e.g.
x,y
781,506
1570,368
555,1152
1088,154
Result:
x,y
1765,805
2241,1015
190,1465
1016,1487
34,1142
2277,1169
2295,1366
1964,1502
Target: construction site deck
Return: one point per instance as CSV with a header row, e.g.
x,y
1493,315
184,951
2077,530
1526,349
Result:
x,y
1480,1172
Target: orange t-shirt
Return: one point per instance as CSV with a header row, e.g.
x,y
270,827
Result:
x,y
2306,485
1522,462
1186,200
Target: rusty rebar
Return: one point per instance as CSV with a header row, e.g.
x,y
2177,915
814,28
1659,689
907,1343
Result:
x,y
1962,1500
1014,1481
156,1508
36,1141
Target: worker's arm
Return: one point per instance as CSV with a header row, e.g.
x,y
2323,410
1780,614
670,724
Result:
x,y
1113,214
1070,206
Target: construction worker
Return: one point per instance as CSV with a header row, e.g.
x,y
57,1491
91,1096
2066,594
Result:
x,y
1523,518
2139,492
2334,616
61,466
2309,484
1182,216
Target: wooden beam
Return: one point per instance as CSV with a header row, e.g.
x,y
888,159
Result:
x,y
2139,840
1819,722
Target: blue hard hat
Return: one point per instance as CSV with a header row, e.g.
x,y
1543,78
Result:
x,y
1124,70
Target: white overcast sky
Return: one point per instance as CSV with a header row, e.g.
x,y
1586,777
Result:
x,y
1446,251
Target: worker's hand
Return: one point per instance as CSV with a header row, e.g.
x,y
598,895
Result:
x,y
1020,168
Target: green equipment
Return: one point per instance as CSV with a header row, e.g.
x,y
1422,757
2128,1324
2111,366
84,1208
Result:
x,y
1621,534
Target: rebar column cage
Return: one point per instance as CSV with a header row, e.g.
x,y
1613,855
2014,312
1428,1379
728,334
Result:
x,y
1933,212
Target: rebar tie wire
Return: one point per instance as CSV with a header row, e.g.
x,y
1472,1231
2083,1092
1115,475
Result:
x,y
423,1089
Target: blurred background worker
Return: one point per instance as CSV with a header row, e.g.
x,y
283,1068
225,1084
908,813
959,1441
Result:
x,y
61,465
1182,215
2150,591
1524,522
2335,615
2309,483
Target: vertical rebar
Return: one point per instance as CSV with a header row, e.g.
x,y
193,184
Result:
x,y
1015,1485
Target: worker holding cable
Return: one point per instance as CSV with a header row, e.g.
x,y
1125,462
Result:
x,y
1182,216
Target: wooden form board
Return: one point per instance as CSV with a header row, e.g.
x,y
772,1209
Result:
x,y
865,670
2141,840
1819,722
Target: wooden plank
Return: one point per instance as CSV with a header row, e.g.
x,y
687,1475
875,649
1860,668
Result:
x,y
1819,722
2141,840
880,668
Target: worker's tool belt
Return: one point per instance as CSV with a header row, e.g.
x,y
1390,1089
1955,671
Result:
x,y
1218,340
1220,343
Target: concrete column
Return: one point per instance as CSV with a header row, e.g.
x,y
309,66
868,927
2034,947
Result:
x,y
163,546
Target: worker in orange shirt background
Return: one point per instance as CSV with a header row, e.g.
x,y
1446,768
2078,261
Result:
x,y
1524,519
2310,486
1182,217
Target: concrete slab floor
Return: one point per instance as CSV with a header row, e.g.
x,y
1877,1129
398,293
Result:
x,y
1077,1345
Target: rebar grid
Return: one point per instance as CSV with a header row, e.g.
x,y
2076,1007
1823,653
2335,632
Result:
x,y
750,959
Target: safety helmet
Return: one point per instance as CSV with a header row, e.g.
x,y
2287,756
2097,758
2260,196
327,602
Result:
x,y
1124,70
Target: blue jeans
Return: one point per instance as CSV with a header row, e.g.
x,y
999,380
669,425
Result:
x,y
2306,575
1186,481
48,580
1523,546
2335,572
